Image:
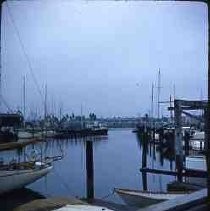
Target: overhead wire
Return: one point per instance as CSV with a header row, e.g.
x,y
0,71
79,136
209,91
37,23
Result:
x,y
24,51
1,66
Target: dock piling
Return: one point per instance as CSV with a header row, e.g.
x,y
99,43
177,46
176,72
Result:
x,y
89,171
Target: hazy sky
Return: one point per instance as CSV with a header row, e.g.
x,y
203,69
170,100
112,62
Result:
x,y
104,55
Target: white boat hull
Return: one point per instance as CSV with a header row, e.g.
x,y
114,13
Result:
x,y
198,136
196,163
15,179
29,135
144,198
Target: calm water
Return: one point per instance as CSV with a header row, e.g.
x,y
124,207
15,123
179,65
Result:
x,y
117,163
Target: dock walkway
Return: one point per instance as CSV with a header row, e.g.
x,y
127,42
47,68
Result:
x,y
187,202
18,144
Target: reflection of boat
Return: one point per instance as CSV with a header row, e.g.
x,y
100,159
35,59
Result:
x,y
144,198
17,175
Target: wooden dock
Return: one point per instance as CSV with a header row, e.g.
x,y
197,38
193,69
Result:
x,y
180,203
18,144
186,172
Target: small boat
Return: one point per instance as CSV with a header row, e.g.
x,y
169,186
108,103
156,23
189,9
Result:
x,y
198,135
28,133
196,163
17,175
197,141
144,198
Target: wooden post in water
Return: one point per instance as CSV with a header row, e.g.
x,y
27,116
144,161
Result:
x,y
89,171
178,139
144,159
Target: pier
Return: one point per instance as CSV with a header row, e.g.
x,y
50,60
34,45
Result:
x,y
18,145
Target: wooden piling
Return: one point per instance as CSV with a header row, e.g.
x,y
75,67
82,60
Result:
x,y
144,160
178,140
89,171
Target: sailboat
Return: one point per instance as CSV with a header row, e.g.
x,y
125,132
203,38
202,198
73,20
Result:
x,y
14,175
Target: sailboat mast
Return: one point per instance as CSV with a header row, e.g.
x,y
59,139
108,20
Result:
x,y
152,100
45,102
24,98
81,117
174,90
171,114
158,103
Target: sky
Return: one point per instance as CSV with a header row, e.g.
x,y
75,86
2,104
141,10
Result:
x,y
102,56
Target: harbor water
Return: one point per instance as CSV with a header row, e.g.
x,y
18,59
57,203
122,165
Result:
x,y
117,159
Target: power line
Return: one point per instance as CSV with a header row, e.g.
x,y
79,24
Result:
x,y
24,52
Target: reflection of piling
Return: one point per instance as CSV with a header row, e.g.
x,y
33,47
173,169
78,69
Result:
x,y
89,170
144,160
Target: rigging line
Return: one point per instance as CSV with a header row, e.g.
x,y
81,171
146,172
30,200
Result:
x,y
62,181
24,51
5,103
3,46
108,195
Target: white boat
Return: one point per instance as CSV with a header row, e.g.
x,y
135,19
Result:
x,y
22,134
144,198
49,133
197,141
15,176
29,134
198,135
196,163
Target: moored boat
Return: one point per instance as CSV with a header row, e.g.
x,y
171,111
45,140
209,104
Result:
x,y
144,198
197,140
196,163
15,176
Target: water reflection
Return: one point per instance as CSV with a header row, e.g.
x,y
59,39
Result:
x,y
117,160
153,149
13,199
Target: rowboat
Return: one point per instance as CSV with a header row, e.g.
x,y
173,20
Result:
x,y
144,198
196,163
